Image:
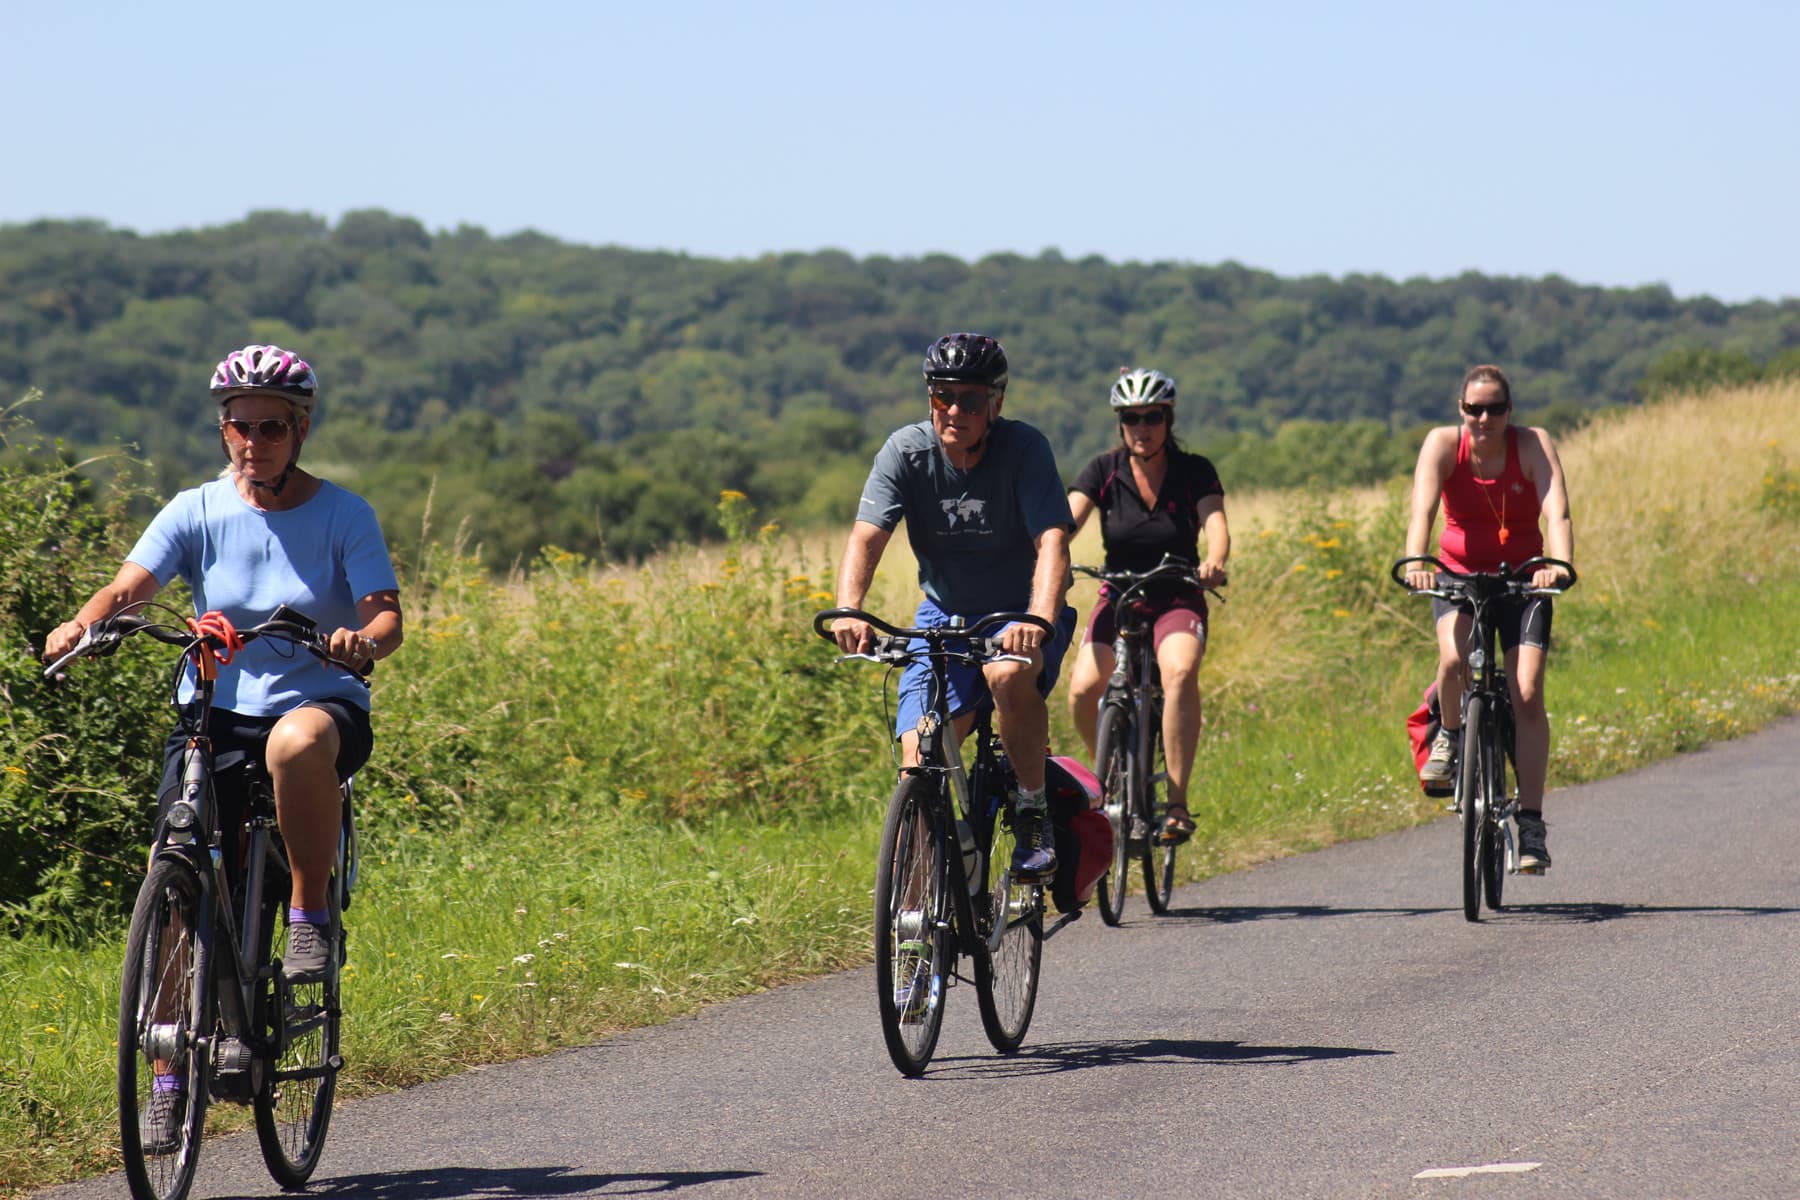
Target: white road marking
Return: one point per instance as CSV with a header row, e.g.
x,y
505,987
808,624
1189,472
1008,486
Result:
x,y
1489,1169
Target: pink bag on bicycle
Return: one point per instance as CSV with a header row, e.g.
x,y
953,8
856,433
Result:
x,y
1083,834
1422,725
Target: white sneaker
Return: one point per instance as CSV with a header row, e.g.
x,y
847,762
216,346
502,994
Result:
x,y
1439,765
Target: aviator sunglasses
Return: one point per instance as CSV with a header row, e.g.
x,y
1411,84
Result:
x,y
1150,416
272,430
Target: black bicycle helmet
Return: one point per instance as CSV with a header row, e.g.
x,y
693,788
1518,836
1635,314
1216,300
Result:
x,y
966,358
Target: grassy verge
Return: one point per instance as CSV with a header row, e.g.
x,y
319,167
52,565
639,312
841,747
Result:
x,y
603,799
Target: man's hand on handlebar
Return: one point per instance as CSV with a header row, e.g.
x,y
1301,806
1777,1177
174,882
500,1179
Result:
x,y
853,636
1021,639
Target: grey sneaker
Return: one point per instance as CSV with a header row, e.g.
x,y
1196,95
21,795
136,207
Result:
x,y
1035,853
159,1125
1534,856
1439,765
308,956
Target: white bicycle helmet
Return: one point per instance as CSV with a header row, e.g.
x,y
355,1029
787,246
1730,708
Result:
x,y
1141,387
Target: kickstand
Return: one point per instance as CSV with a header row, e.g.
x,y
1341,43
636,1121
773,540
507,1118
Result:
x,y
1060,922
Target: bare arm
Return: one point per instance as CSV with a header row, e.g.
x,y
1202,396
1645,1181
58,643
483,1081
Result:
x,y
1049,585
1081,505
1545,469
1211,511
862,554
132,585
1436,456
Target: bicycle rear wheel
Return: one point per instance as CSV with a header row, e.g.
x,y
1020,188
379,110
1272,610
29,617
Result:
x,y
293,1101
163,1007
1153,791
912,921
1471,781
1113,758
1006,968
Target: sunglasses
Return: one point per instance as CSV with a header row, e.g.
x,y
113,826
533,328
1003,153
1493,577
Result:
x,y
1150,416
1484,410
272,430
973,400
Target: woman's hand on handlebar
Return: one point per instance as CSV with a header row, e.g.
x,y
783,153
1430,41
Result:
x,y
1420,578
1547,576
351,648
1210,574
62,639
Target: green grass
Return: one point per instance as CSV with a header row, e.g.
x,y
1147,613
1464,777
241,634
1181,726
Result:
x,y
601,799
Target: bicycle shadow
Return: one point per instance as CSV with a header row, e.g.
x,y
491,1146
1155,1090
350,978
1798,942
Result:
x,y
1595,912
450,1183
1236,914
1056,1057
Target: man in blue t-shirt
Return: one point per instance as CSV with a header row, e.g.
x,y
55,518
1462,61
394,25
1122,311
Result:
x,y
989,524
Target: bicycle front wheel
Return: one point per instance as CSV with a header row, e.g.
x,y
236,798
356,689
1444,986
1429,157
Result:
x,y
1493,837
1471,801
1113,760
293,1100
1159,856
162,1011
1006,968
912,921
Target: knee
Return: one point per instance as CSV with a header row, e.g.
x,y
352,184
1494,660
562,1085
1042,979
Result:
x,y
296,743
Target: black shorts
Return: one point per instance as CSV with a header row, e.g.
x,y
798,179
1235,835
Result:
x,y
239,732
1521,621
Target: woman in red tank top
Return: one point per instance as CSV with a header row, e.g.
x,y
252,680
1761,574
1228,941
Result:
x,y
1504,502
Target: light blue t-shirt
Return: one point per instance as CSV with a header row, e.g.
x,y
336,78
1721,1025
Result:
x,y
319,558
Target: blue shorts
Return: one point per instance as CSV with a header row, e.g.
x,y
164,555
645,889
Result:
x,y
968,687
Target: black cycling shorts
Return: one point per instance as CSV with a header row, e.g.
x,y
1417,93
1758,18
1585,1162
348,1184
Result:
x,y
234,731
1524,620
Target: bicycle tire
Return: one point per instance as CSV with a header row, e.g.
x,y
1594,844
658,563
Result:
x,y
294,1099
1007,965
165,976
912,920
1470,782
1153,791
1493,840
1113,759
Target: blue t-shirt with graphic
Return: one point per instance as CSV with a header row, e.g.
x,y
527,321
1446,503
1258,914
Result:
x,y
973,532
319,558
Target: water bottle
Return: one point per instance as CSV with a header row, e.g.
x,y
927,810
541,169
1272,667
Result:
x,y
971,855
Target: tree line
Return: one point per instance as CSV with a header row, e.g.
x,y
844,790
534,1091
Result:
x,y
600,398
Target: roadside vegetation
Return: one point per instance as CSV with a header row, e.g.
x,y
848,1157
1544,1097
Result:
x,y
603,796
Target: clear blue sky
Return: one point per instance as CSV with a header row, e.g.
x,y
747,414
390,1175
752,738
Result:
x,y
1611,143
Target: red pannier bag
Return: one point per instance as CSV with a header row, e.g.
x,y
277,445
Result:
x,y
1084,838
1422,726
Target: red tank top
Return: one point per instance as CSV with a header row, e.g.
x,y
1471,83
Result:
x,y
1488,522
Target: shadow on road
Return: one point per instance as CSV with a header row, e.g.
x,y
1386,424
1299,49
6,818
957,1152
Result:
x,y
1231,914
1594,912
449,1183
1055,1057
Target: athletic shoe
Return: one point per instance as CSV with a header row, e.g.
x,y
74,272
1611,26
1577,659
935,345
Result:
x,y
1534,856
1440,764
159,1126
308,954
1035,853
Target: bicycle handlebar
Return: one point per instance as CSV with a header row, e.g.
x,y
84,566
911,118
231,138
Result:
x,y
893,647
103,637
1514,579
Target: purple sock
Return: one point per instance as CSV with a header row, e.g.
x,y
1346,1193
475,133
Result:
x,y
309,916
168,1083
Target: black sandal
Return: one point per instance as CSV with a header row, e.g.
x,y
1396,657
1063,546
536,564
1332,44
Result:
x,y
1176,829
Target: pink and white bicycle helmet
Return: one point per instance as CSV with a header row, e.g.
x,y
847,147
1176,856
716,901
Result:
x,y
268,370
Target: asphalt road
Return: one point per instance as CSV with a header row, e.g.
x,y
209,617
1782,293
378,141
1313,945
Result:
x,y
1324,1026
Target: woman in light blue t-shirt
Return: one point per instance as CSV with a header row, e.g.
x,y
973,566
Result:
x,y
264,534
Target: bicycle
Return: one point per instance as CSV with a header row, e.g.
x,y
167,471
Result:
x,y
203,995
1128,744
944,886
1484,799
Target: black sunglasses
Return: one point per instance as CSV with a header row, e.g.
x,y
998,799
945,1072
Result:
x,y
1485,410
969,401
1149,416
273,429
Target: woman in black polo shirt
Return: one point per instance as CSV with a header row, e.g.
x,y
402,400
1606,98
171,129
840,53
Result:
x,y
1154,499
